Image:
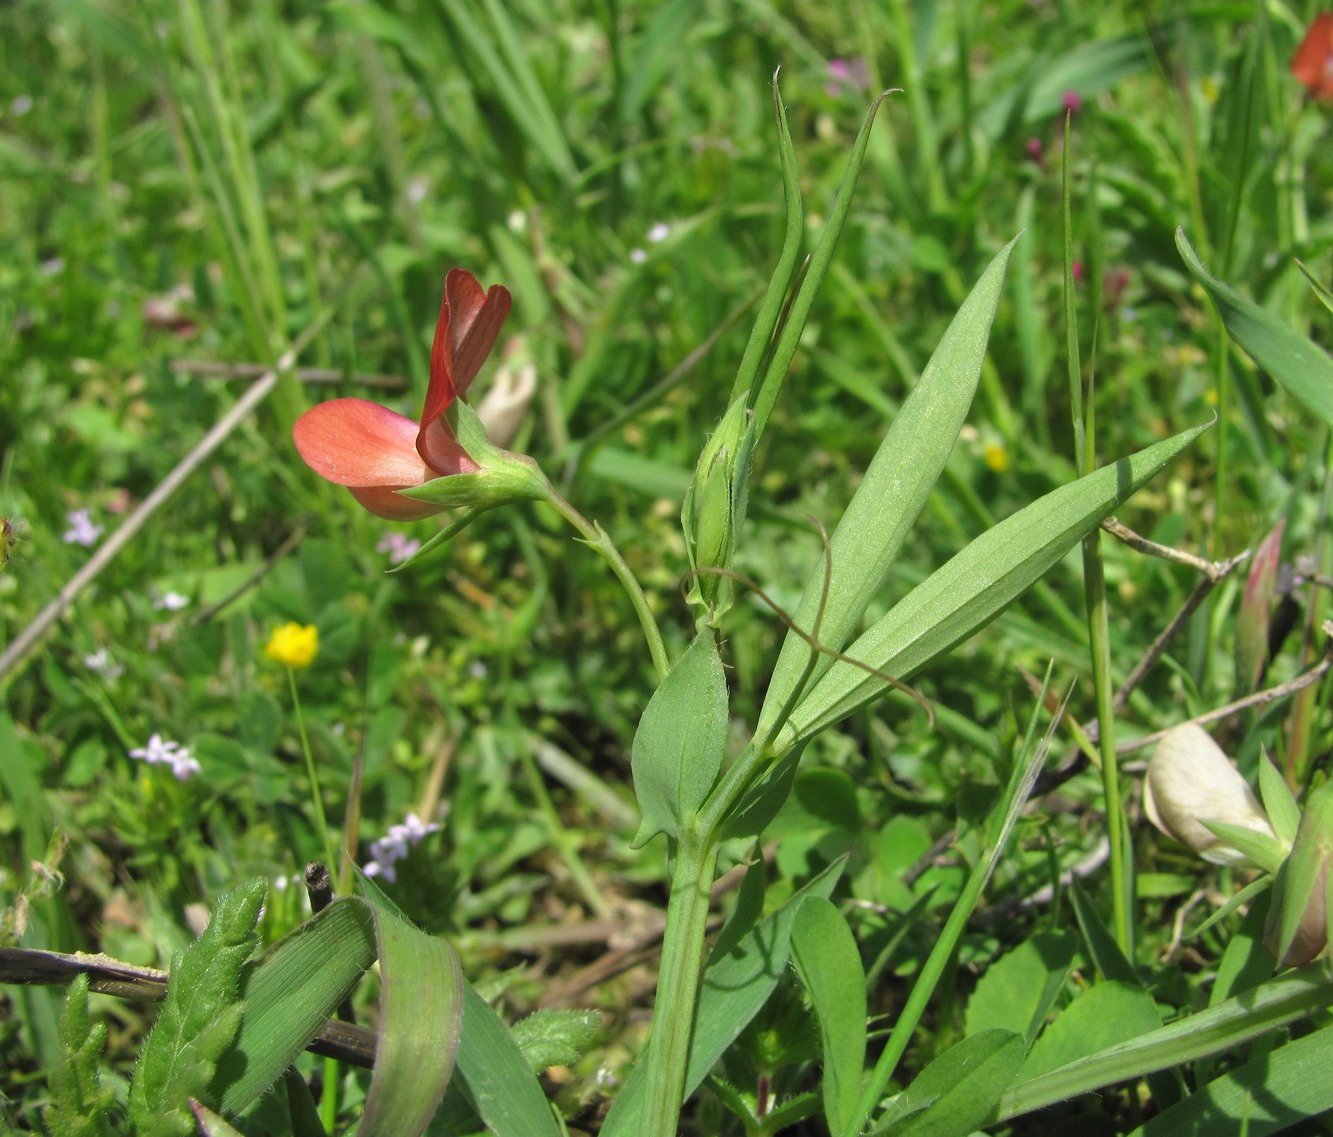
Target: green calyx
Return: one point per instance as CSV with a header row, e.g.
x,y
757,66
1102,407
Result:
x,y
503,478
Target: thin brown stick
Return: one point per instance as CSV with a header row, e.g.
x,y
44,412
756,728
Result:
x,y
107,976
1258,699
1214,570
209,369
27,639
1158,646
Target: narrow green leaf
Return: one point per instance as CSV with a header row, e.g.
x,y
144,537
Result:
x,y
1320,288
770,309
678,747
1292,359
1292,996
200,1016
1299,913
829,963
767,393
1275,1091
975,586
500,1083
1279,804
957,1093
893,492
1102,948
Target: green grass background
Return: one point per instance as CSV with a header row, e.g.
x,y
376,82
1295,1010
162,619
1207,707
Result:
x,y
271,165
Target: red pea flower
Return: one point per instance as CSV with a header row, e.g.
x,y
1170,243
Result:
x,y
1313,62
376,452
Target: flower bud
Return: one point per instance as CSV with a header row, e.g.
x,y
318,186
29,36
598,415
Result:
x,y
1190,782
714,507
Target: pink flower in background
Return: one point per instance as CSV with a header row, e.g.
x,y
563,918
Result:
x,y
374,451
850,73
399,546
1071,101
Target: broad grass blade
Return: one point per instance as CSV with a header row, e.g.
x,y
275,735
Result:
x,y
499,1080
1292,359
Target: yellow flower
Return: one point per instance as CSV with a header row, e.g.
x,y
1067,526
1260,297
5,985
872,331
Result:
x,y
996,457
293,645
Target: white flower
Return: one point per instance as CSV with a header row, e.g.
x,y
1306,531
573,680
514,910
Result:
x,y
171,602
637,256
160,751
82,530
1191,781
659,232
101,662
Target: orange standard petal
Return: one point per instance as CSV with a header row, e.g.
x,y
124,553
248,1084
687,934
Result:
x,y
354,442
1313,62
469,324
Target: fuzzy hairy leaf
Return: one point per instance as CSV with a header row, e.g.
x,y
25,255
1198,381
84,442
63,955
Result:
x,y
81,1105
199,1018
556,1038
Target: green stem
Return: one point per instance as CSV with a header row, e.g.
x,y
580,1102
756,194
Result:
x,y
328,1106
595,536
315,794
1100,637
678,985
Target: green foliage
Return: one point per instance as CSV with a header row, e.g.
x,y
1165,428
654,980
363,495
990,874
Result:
x,y
958,1092
80,1103
199,1018
556,1038
197,184
826,957
1019,989
1292,359
678,746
